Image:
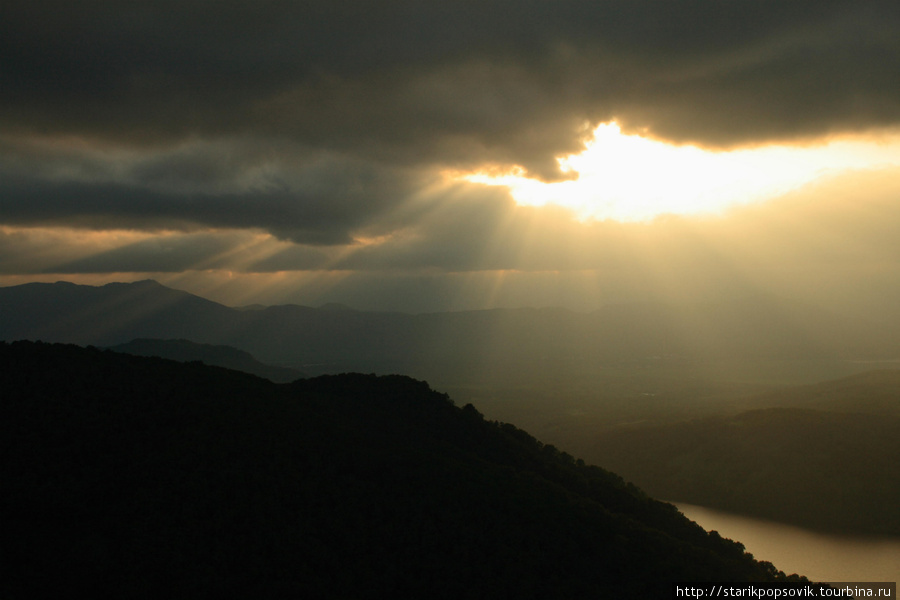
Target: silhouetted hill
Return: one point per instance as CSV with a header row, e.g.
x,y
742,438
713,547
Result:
x,y
111,314
135,477
745,328
825,470
216,355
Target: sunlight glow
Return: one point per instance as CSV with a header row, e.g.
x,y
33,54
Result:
x,y
633,178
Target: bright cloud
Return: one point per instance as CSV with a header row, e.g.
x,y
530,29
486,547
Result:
x,y
632,178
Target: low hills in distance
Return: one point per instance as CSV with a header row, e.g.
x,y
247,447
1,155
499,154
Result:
x,y
210,354
822,456
341,339
133,476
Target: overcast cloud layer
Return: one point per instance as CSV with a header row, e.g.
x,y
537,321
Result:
x,y
161,137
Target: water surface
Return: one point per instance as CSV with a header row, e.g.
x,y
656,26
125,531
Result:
x,y
819,556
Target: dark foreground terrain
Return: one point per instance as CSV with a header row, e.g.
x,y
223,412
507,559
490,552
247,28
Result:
x,y
135,477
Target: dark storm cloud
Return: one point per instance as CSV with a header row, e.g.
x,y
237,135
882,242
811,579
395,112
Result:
x,y
500,80
319,203
157,254
322,121
67,251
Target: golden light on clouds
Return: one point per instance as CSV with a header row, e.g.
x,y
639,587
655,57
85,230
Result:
x,y
633,178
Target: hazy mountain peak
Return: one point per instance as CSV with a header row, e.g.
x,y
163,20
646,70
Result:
x,y
336,306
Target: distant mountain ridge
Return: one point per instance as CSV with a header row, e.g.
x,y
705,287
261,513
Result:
x,y
132,476
215,355
106,315
297,335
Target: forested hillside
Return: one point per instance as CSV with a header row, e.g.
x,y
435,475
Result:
x,y
137,477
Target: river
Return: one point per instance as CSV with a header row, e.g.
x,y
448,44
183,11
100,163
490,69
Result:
x,y
819,556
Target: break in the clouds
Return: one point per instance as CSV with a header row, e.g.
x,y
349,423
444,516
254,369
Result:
x,y
165,136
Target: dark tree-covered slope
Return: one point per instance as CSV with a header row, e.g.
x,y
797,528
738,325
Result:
x,y
137,477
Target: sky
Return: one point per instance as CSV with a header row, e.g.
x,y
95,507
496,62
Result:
x,y
425,156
